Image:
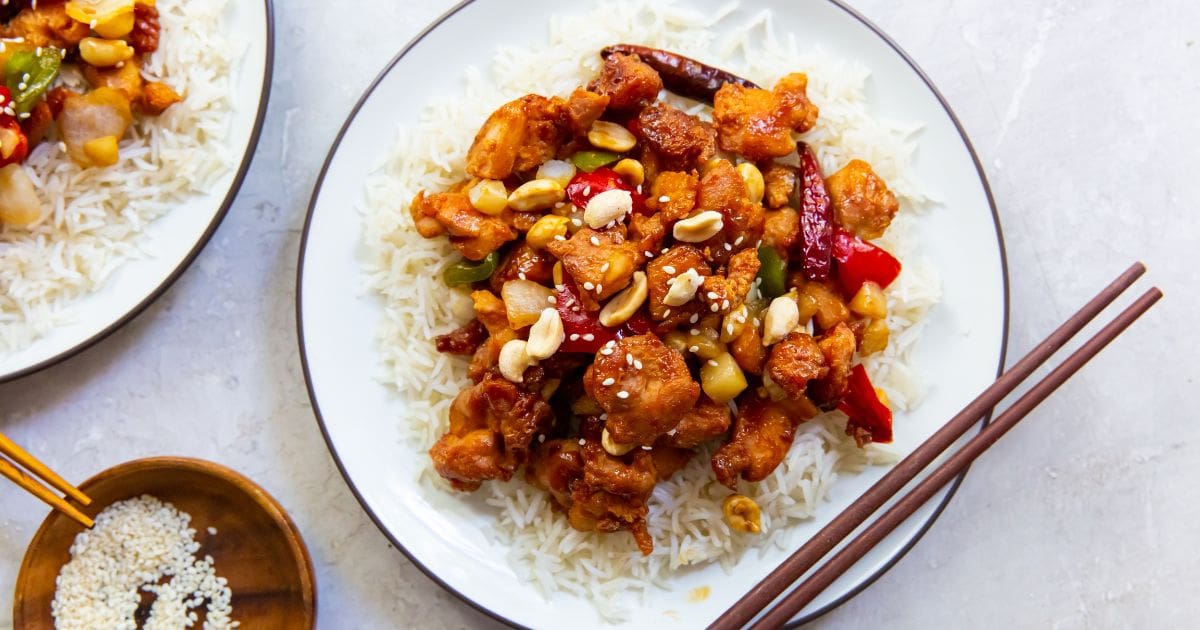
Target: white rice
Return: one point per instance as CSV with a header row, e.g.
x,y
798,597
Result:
x,y
685,512
133,547
96,217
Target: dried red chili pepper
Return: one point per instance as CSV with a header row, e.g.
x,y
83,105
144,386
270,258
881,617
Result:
x,y
681,75
816,217
583,329
870,419
859,262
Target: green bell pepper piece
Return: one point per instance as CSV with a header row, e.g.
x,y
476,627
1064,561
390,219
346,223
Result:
x,y
588,161
467,272
35,71
772,271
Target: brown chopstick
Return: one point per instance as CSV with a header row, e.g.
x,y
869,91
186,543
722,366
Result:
x,y
841,526
42,492
951,468
31,463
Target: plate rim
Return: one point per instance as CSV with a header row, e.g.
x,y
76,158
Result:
x,y
316,408
235,187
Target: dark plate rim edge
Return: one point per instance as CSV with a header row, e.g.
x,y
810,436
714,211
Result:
x,y
870,579
234,188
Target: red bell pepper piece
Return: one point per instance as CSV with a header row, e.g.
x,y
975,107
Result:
x,y
584,186
583,329
859,262
816,217
870,419
14,144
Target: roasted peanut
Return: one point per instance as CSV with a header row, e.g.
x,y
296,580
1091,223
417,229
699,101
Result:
x,y
611,137
514,360
545,230
782,318
545,336
626,303
699,228
538,194
742,514
606,207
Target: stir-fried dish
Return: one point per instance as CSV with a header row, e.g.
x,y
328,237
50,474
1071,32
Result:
x,y
647,283
106,42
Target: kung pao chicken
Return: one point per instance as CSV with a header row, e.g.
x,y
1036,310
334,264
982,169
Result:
x,y
645,282
107,41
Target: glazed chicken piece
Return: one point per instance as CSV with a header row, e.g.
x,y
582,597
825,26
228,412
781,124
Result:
x,y
728,292
464,340
837,346
647,233
490,311
683,142
628,82
779,182
781,229
723,190
517,137
762,434
669,460
706,421
758,124
823,303
720,187
491,426
747,349
127,78
157,98
537,266
861,200
794,362
673,195
600,262
473,234
661,273
583,109
45,24
644,387
554,466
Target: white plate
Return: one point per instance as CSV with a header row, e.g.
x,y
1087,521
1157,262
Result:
x,y
178,236
960,353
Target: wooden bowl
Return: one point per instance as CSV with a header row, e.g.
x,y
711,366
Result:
x,y
257,547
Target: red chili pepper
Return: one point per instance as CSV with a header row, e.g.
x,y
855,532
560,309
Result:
x,y
583,329
868,415
14,144
859,261
584,186
816,217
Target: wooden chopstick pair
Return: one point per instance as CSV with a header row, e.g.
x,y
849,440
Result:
x,y
799,563
21,478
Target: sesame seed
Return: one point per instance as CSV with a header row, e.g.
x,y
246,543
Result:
x,y
646,448
729,328
574,337
694,332
595,241
576,222
604,416
608,382
541,438
648,253
628,358
559,237
666,249
587,191
695,318
606,351
715,307
604,267
725,304
694,349
582,441
622,394
589,337
757,323
639,189
551,299
739,240
728,247
559,204
664,199
713,363
711,295
521,275
599,288
672,431
637,364
669,269
666,313
588,286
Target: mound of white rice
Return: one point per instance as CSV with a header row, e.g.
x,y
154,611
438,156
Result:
x,y
685,512
96,216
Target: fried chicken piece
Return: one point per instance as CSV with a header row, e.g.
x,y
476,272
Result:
x,y
660,274
487,355
126,78
46,24
491,426
647,233
723,190
781,229
613,492
861,200
682,141
780,182
462,340
627,81
794,362
728,292
585,108
673,195
644,387
157,98
824,302
707,420
758,124
837,346
473,234
554,466
762,434
537,266
519,136
721,187
490,310
600,262
669,460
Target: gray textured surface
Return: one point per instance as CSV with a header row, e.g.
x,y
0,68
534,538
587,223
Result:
x,y
1085,116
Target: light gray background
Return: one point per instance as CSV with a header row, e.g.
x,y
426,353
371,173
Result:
x,y
1086,117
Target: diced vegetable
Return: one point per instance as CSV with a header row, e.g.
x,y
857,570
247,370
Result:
x,y
700,344
560,171
104,53
29,74
589,161
870,301
722,378
524,301
874,338
772,271
859,262
584,331
467,272
870,419
816,217
19,203
103,151
109,18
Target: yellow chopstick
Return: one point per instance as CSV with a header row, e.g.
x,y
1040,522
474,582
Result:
x,y
31,463
42,492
